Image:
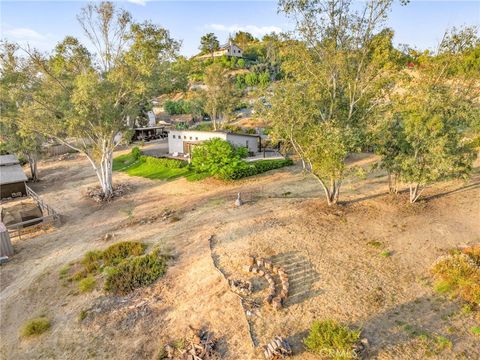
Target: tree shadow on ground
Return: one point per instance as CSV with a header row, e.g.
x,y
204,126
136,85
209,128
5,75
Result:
x,y
301,276
454,191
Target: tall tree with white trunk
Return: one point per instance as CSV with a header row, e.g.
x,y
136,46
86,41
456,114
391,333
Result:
x,y
337,70
84,100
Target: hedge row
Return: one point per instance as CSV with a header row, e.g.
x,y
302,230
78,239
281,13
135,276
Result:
x,y
245,169
166,163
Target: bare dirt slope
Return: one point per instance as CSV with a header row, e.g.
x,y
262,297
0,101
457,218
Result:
x,y
333,257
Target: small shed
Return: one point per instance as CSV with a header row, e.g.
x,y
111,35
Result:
x,y
12,177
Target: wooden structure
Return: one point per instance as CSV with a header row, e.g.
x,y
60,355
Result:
x,y
149,133
12,178
6,248
50,216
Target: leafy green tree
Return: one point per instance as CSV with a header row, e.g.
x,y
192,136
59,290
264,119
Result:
x,y
338,70
85,101
220,94
426,134
15,73
209,44
243,38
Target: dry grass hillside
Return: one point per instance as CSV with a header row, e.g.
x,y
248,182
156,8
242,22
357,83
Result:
x,y
365,263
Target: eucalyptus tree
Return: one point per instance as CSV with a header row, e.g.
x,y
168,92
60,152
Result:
x,y
209,44
85,99
220,94
15,73
428,132
340,63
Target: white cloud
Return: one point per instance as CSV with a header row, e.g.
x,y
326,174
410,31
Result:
x,y
252,29
24,34
138,2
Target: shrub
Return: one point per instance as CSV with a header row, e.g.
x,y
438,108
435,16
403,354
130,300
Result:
x,y
119,251
87,284
82,315
333,340
458,274
91,260
242,152
135,272
264,79
213,155
243,169
136,153
251,79
36,326
475,330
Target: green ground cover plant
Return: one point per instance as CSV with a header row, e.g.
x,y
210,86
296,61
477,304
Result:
x,y
36,326
122,267
458,274
332,340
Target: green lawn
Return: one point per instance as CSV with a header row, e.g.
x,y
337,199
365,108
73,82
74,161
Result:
x,y
157,169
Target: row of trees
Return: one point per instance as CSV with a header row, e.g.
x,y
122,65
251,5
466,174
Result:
x,y
347,89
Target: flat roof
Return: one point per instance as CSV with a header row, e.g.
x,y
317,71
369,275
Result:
x,y
214,132
8,160
10,174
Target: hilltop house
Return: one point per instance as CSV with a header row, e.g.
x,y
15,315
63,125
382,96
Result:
x,y
229,49
183,141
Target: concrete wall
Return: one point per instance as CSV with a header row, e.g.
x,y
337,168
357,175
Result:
x,y
177,137
241,140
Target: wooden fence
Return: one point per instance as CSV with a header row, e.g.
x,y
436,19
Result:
x,y
50,216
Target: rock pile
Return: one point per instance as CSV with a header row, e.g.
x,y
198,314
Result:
x,y
240,287
276,349
201,346
266,269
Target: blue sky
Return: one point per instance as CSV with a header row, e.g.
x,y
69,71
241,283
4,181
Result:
x,y
43,23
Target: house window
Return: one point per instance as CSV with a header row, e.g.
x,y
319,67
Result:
x,y
173,136
191,138
185,137
196,137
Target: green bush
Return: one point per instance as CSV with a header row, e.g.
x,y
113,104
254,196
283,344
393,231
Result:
x,y
91,260
264,79
251,79
213,155
36,326
136,153
167,163
332,340
87,284
241,63
135,272
240,170
119,251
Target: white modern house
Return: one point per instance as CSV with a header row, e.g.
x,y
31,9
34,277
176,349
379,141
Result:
x,y
182,141
229,49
